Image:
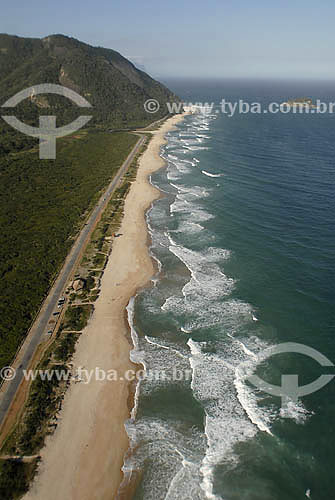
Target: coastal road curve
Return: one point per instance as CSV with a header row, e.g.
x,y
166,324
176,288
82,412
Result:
x,y
37,332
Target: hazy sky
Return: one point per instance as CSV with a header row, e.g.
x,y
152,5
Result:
x,y
222,38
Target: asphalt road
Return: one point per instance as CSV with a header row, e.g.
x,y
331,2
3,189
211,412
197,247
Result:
x,y
39,328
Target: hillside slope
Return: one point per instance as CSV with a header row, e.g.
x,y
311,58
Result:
x,y
116,89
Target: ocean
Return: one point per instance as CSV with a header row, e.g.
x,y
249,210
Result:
x,y
243,237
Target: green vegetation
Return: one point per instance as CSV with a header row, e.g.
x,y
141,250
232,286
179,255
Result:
x,y
43,204
76,317
89,283
65,347
14,478
11,142
42,400
45,399
116,89
99,260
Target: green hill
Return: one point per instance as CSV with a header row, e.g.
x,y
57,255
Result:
x,y
116,89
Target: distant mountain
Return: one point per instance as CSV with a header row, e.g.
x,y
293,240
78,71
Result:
x,y
116,89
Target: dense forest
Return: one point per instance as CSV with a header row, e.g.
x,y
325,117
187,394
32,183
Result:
x,y
42,203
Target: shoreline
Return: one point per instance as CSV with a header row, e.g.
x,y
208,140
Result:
x,y
83,458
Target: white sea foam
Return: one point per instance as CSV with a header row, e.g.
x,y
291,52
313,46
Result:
x,y
133,333
295,411
181,167
195,148
172,157
211,175
249,403
192,211
183,466
154,279
212,384
191,141
215,378
192,162
135,354
185,483
189,227
186,204
197,191
155,343
162,443
205,302
249,398
162,346
184,330
208,284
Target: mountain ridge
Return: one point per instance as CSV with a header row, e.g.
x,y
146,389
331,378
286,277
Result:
x,y
114,86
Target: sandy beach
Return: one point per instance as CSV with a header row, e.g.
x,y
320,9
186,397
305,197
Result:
x,y
82,460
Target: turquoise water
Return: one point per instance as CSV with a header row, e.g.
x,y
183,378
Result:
x,y
244,239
